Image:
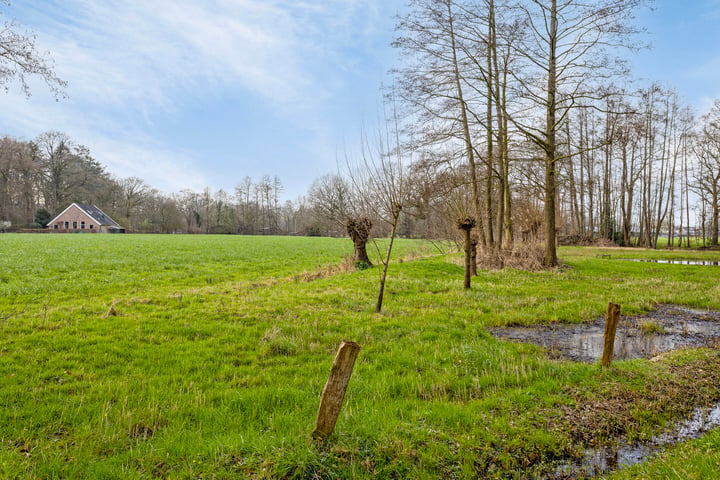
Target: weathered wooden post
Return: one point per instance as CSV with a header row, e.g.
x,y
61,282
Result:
x,y
334,391
611,321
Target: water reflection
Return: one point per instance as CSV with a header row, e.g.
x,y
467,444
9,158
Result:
x,y
674,327
675,261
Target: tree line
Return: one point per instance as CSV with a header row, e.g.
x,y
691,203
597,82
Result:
x,y
527,124
508,122
40,178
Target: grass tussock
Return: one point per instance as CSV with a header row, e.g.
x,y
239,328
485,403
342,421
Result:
x,y
648,327
112,311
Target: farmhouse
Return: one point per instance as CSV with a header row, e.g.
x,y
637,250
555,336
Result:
x,y
84,218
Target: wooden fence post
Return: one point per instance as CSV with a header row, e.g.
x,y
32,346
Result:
x,y
611,321
334,391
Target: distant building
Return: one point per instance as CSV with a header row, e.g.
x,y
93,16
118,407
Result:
x,y
84,218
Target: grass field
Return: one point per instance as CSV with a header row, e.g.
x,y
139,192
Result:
x,y
204,357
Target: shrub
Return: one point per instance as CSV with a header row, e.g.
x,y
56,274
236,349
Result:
x,y
42,217
361,265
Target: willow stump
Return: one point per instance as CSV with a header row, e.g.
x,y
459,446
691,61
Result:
x,y
359,231
466,224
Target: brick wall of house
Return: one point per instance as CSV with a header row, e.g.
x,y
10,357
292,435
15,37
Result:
x,y
74,220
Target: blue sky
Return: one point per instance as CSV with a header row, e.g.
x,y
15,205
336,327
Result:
x,y
201,93
685,52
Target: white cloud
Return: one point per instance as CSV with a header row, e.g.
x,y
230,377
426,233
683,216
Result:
x,y
170,171
138,51
134,65
124,151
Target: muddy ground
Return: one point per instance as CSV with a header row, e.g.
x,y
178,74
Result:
x,y
669,327
630,416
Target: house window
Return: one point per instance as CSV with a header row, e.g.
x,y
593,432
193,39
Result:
x,y
66,225
74,225
56,226
82,225
91,226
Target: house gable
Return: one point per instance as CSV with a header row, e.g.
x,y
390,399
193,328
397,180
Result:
x,y
84,218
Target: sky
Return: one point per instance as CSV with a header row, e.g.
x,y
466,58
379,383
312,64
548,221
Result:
x,y
189,94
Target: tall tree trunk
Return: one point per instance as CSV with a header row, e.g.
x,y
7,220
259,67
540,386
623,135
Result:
x,y
466,129
582,190
489,163
550,258
503,175
507,194
503,120
715,211
662,203
687,198
625,197
574,213
606,222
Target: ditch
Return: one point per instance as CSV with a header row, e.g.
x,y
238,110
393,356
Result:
x,y
668,328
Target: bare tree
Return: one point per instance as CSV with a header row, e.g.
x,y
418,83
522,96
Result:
x,y
379,179
329,196
243,190
339,202
563,54
55,151
19,181
69,173
707,150
191,206
162,213
134,193
435,81
20,59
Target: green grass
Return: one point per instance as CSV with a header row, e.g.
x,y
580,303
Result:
x,y
648,327
217,348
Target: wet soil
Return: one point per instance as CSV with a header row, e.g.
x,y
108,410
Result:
x,y
604,459
668,328
603,427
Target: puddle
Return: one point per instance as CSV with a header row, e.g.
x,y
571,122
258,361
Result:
x,y
674,262
670,327
646,336
599,461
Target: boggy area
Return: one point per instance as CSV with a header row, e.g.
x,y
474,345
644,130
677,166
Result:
x,y
603,459
667,328
607,426
603,428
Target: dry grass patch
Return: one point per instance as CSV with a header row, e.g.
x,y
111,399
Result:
x,y
527,257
